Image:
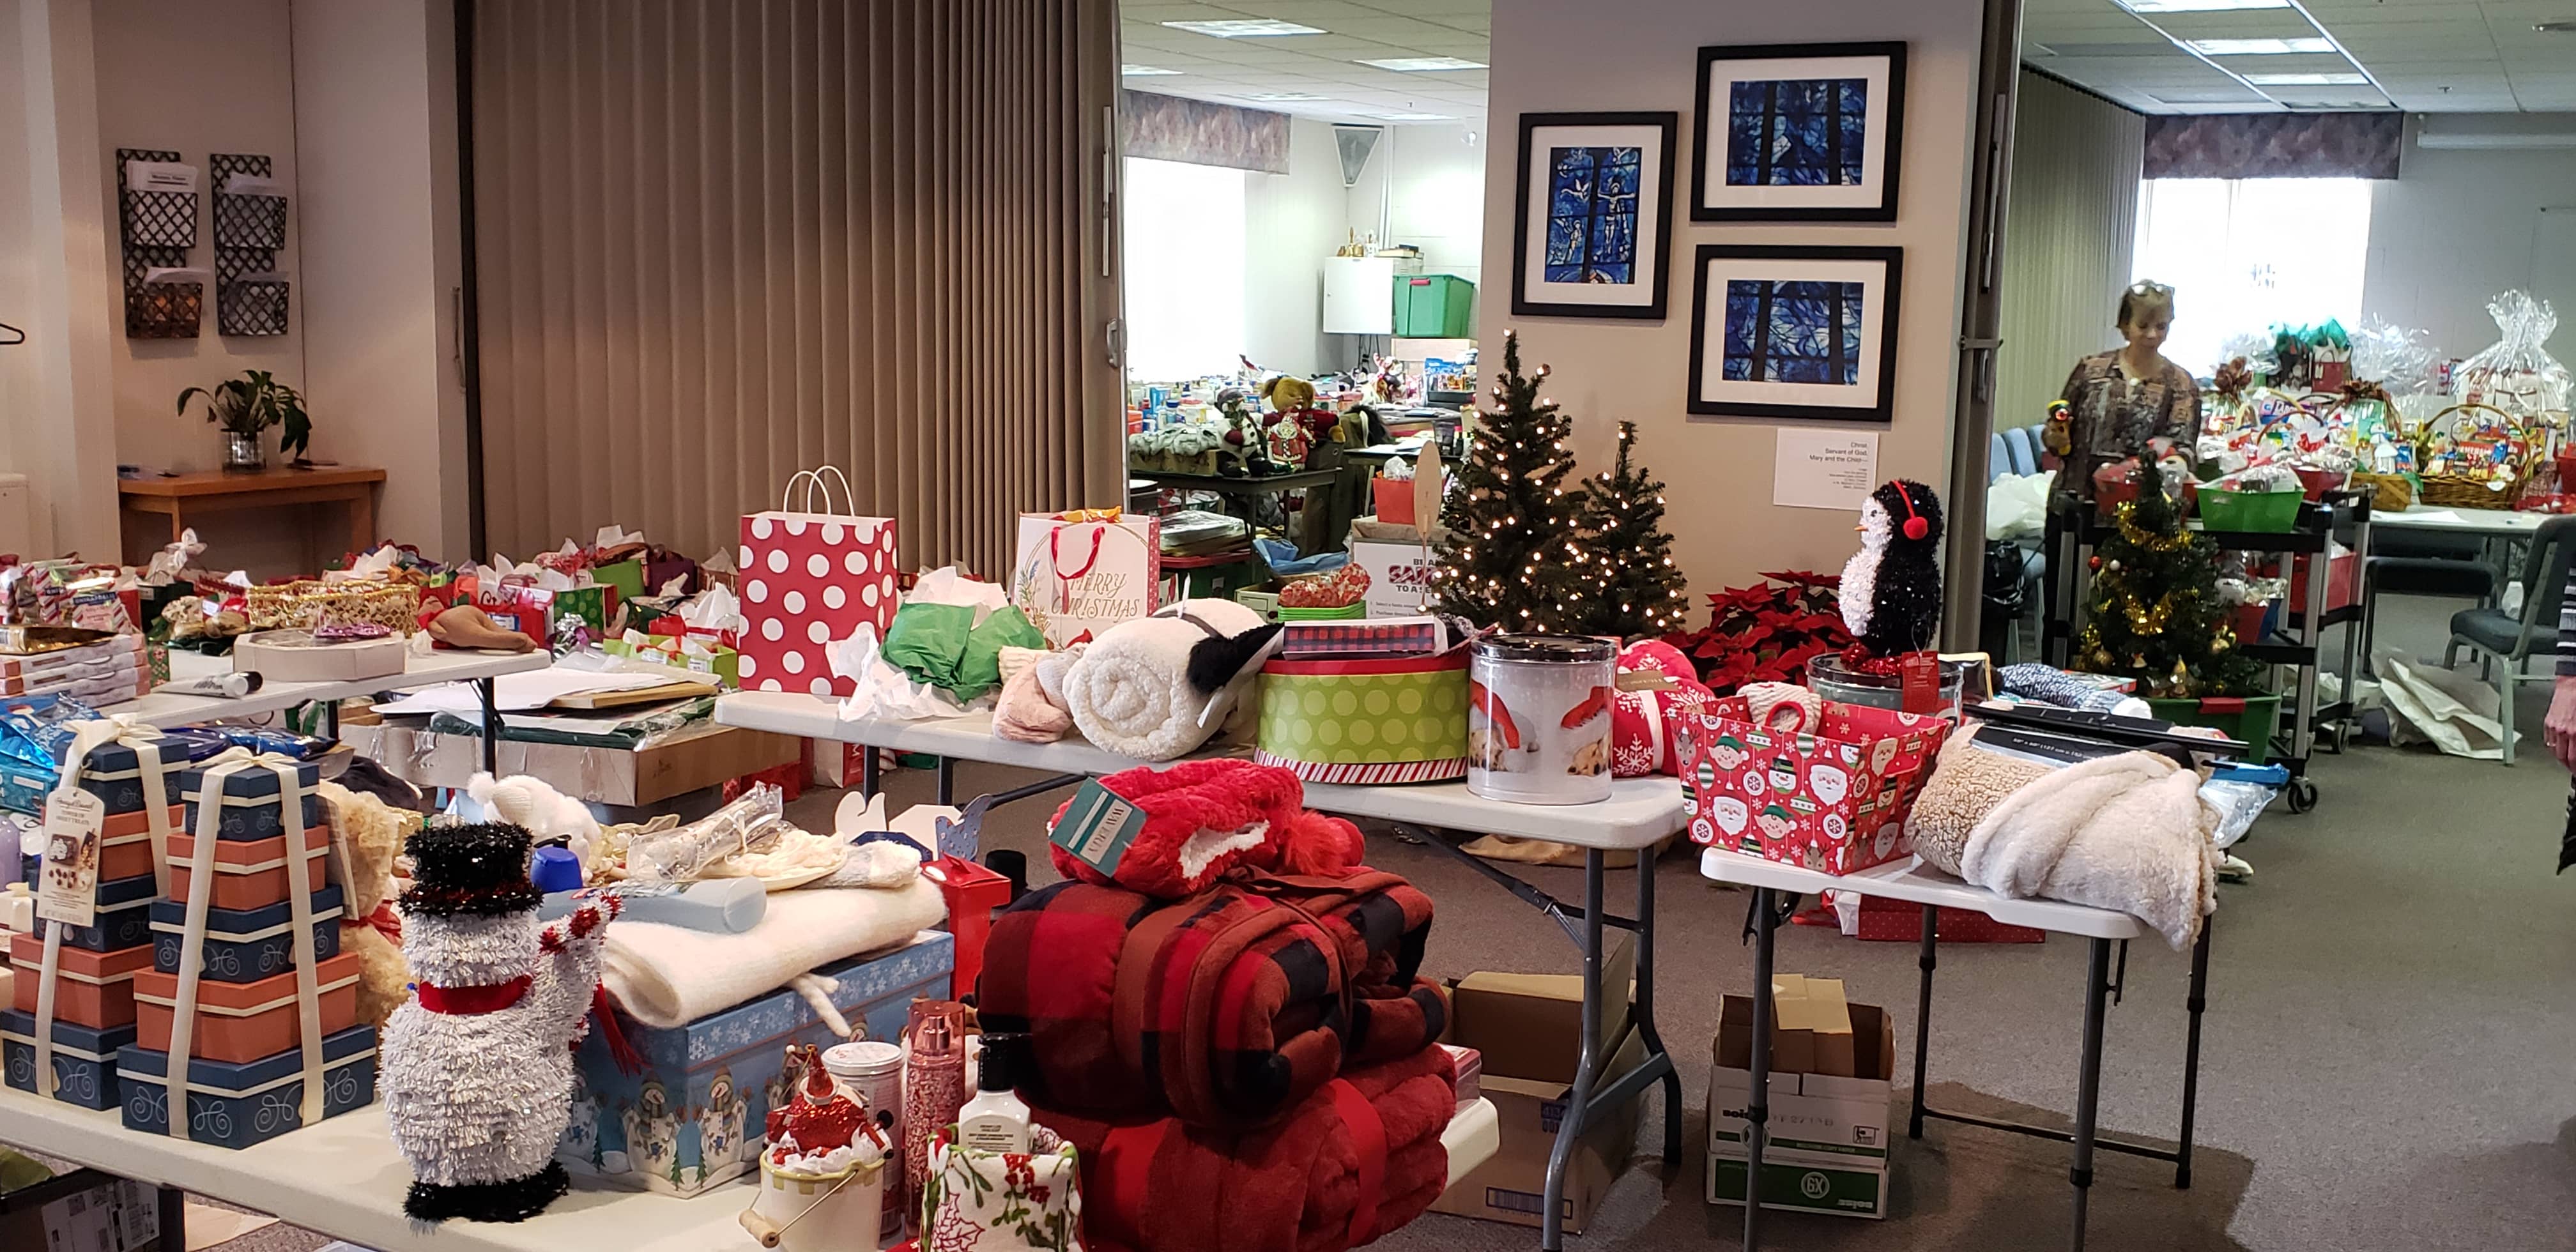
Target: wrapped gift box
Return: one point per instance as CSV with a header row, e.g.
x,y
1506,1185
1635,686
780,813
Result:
x,y
250,802
84,1058
693,1118
93,989
125,844
124,916
234,1105
1366,721
249,874
114,775
245,1021
245,945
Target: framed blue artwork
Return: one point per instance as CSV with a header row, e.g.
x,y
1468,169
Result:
x,y
1794,331
1799,133
1592,236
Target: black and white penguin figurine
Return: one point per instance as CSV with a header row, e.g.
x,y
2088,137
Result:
x,y
1891,592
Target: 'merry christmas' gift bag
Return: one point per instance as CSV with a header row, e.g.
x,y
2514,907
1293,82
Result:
x,y
809,578
1075,576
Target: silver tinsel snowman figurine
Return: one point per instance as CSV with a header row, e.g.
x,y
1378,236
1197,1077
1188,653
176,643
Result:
x,y
478,1081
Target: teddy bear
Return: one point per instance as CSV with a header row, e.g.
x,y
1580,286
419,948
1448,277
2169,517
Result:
x,y
366,833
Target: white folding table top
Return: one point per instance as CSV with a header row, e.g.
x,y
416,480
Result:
x,y
166,708
344,1179
1639,812
1910,880
2460,521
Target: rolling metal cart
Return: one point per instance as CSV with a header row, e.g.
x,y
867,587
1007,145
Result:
x,y
2339,517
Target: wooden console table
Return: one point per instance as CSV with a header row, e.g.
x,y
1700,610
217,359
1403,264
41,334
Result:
x,y
182,497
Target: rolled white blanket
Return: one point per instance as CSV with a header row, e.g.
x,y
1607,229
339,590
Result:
x,y
669,976
2126,832
1158,687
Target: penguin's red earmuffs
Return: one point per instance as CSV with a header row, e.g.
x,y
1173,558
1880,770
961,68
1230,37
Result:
x,y
1915,527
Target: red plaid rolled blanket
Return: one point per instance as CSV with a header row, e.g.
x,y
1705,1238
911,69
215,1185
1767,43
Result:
x,y
1224,1009
1350,1162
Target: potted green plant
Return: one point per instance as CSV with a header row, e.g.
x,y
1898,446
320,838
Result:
x,y
247,405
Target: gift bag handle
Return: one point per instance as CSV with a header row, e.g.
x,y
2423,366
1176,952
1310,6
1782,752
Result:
x,y
813,478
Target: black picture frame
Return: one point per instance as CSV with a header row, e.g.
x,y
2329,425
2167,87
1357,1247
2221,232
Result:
x,y
1714,129
1882,412
1658,307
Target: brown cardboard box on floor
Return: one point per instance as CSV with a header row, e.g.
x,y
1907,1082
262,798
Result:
x,y
1509,1187
1828,1135
1811,1027
1529,1025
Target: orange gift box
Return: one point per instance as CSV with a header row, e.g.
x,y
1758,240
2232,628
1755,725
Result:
x,y
125,844
240,1022
93,989
249,874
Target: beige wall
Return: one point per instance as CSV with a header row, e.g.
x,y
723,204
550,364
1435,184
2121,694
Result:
x,y
2069,240
1292,221
375,129
2457,227
1550,56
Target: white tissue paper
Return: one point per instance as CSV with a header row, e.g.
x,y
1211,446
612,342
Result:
x,y
613,536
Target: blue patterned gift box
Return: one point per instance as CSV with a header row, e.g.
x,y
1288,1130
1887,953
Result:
x,y
124,917
246,945
250,802
694,1117
237,1105
84,1059
114,775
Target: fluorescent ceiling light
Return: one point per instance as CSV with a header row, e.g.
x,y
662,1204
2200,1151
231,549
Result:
x,y
1411,117
2259,47
2306,80
2197,6
1277,97
1140,71
1412,65
1245,28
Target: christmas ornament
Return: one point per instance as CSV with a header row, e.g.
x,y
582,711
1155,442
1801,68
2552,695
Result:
x,y
478,1065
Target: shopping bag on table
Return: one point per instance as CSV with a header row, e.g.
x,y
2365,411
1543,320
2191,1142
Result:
x,y
808,578
1075,578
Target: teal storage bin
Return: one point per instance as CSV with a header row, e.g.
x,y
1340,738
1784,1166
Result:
x,y
1434,306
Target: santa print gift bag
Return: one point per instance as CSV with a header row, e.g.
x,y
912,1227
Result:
x,y
1077,578
807,579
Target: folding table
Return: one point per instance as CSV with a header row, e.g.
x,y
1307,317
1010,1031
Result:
x,y
1911,881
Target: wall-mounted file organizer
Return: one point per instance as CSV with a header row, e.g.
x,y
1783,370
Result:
x,y
249,229
156,229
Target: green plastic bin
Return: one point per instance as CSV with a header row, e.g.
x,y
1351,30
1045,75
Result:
x,y
1434,306
2249,718
2264,512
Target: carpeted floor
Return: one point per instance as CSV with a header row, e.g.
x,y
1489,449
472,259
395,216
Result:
x,y
2386,1054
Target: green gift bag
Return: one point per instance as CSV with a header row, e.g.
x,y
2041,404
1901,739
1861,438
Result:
x,y
626,576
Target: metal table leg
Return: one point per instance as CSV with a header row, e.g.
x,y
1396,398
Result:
x,y
1923,1015
491,728
868,771
1587,1063
173,1214
2196,1001
1757,1100
2088,1083
1645,1014
945,774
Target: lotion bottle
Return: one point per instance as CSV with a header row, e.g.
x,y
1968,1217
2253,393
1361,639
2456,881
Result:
x,y
996,1120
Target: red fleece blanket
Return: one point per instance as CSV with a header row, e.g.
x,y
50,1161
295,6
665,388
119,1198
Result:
x,y
1225,1009
1354,1160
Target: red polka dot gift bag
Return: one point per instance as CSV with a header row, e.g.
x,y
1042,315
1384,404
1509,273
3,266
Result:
x,y
808,579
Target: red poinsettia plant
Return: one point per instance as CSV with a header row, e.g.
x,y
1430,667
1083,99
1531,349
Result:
x,y
1766,632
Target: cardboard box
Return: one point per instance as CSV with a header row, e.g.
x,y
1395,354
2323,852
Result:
x,y
82,1210
1527,1025
1829,1135
286,656
715,755
1511,1186
1811,1027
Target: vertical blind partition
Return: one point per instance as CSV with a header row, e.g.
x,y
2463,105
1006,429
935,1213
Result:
x,y
2069,241
720,242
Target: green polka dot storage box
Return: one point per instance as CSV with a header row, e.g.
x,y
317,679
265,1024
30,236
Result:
x,y
1366,720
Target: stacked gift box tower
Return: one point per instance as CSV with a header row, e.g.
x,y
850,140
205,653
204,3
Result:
x,y
98,965
246,1052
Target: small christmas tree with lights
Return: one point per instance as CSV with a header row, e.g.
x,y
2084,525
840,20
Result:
x,y
1513,558
2154,613
1640,587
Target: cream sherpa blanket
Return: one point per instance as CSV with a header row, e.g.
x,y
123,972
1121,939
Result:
x,y
1130,691
2126,832
670,976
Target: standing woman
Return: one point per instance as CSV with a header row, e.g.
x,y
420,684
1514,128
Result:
x,y
2121,399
